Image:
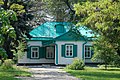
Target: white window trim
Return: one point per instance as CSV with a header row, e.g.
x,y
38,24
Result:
x,y
69,52
32,51
90,51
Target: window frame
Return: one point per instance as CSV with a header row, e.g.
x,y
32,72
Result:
x,y
69,50
90,46
37,52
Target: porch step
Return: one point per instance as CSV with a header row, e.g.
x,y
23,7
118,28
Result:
x,y
46,65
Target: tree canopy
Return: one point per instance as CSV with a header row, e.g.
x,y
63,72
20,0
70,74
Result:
x,y
103,17
19,27
6,28
55,10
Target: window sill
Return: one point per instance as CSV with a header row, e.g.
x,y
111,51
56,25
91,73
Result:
x,y
49,58
69,57
87,57
34,58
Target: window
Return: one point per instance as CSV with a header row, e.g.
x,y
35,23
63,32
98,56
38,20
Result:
x,y
87,51
60,28
49,52
34,52
69,50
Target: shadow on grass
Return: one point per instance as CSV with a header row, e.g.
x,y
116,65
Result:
x,y
8,78
10,75
102,74
111,69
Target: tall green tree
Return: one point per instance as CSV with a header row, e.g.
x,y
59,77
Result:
x,y
104,52
103,17
21,7
53,10
6,28
56,10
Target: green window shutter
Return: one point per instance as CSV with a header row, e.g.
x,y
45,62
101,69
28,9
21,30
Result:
x,y
75,51
42,52
39,53
63,50
28,52
92,51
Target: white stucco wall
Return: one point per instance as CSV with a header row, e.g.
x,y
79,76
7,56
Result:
x,y
63,60
34,43
24,58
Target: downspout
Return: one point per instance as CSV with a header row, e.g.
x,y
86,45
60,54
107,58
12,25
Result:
x,y
56,54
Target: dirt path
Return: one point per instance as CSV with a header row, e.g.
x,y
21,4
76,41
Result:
x,y
49,73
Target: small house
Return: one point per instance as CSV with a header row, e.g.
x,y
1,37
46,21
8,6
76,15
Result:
x,y
58,43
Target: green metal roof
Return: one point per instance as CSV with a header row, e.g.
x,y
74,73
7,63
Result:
x,y
70,36
48,29
52,30
41,38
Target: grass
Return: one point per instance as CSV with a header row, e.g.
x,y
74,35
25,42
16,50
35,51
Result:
x,y
96,73
12,73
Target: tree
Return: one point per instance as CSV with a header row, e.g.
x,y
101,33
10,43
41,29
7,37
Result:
x,y
6,28
55,10
21,27
104,51
103,17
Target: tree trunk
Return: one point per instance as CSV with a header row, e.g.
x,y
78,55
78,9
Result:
x,y
5,4
118,51
105,66
7,47
73,11
67,3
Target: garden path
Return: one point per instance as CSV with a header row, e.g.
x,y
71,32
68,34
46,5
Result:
x,y
47,72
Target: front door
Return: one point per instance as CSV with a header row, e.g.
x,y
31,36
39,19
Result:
x,y
50,52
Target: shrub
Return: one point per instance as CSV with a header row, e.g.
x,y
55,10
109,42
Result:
x,y
3,54
77,64
8,64
116,61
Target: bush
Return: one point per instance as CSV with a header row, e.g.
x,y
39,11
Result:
x,y
116,61
8,64
3,54
77,64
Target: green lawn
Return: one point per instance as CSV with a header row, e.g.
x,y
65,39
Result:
x,y
11,74
96,73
